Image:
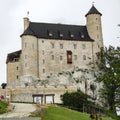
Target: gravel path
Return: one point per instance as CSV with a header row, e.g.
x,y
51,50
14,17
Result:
x,y
21,110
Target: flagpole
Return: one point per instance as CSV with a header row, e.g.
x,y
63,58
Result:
x,y
27,14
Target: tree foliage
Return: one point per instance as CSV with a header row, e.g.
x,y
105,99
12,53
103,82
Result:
x,y
75,99
109,65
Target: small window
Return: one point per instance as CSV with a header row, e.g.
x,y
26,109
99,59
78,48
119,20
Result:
x,y
84,46
52,45
97,36
72,35
61,35
82,36
43,61
84,57
15,59
61,46
69,57
17,68
17,77
75,57
97,27
61,58
43,52
43,70
75,46
33,46
52,57
50,34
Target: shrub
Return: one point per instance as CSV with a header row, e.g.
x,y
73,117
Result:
x,y
3,107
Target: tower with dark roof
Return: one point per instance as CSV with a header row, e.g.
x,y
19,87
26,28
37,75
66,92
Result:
x,y
94,27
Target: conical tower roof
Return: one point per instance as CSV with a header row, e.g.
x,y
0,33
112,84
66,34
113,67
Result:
x,y
93,10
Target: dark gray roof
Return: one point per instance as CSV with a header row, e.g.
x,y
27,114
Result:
x,y
13,57
93,10
57,31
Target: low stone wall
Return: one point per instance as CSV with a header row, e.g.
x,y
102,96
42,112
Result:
x,y
25,94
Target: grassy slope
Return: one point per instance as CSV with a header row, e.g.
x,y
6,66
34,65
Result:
x,y
59,113
3,107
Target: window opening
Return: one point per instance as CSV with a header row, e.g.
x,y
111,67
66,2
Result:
x,y
84,57
69,57
61,46
75,46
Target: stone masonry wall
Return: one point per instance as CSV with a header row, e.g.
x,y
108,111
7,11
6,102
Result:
x,y
25,94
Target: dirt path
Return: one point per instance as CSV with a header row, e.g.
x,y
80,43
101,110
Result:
x,y
21,110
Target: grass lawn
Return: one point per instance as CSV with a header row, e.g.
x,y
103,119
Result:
x,y
60,113
3,107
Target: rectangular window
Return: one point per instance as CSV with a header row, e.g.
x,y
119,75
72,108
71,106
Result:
x,y
52,45
33,46
71,35
75,46
43,52
43,61
50,34
17,67
61,46
97,36
69,57
61,58
84,46
84,57
15,59
75,57
61,35
17,77
97,27
43,70
52,57
82,36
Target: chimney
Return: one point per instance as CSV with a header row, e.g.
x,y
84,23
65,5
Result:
x,y
26,23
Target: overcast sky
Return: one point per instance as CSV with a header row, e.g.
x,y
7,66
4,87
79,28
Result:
x,y
12,13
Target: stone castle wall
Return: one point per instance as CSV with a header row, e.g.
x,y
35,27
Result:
x,y
25,94
56,65
13,72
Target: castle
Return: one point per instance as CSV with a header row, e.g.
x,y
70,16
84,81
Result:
x,y
50,58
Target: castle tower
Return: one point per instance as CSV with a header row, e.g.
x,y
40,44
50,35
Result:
x,y
29,55
94,27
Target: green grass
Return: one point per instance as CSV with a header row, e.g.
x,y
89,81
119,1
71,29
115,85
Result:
x,y
3,107
60,113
